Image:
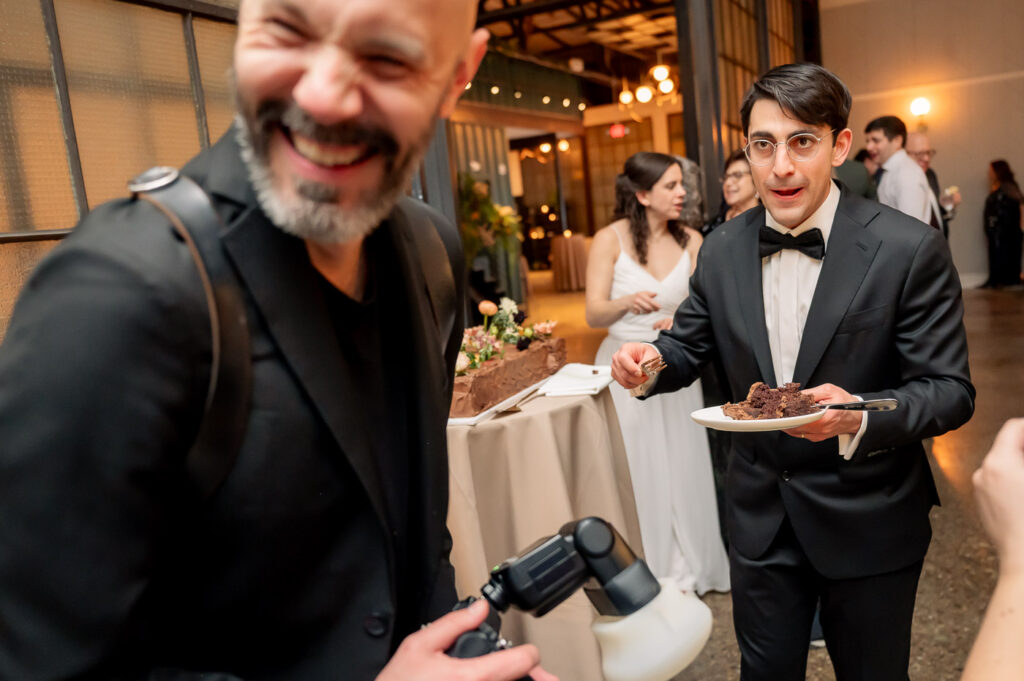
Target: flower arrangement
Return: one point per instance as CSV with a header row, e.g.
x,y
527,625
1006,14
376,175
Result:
x,y
482,222
503,323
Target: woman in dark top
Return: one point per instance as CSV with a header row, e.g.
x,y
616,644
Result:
x,y
1003,227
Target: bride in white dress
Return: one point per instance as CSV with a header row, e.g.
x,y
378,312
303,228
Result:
x,y
637,275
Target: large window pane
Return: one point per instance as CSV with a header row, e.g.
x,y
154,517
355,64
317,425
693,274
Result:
x,y
607,155
214,43
35,185
130,93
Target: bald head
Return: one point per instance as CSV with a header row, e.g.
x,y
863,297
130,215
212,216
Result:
x,y
339,100
919,148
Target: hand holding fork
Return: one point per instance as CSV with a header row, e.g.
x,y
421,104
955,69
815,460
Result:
x,y
651,368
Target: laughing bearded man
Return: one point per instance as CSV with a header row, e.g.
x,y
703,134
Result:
x,y
324,550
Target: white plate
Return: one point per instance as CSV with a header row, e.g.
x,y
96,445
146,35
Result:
x,y
713,417
487,413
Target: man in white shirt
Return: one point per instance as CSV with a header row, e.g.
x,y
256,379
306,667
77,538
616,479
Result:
x,y
901,182
919,147
829,290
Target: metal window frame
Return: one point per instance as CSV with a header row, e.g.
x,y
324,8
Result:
x,y
187,9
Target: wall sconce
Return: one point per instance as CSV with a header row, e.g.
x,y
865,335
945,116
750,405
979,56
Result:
x,y
920,108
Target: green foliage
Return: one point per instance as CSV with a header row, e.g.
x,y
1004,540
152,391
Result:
x,y
484,225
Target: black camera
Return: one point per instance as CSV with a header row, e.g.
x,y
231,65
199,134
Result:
x,y
551,570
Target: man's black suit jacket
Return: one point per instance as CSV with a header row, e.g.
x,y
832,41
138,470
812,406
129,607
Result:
x,y
107,570
886,320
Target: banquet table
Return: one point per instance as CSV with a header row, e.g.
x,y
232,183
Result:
x,y
516,478
569,262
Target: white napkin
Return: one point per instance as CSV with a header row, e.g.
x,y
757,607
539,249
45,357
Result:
x,y
577,379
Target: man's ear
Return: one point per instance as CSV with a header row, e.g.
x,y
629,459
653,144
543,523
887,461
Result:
x,y
465,70
841,149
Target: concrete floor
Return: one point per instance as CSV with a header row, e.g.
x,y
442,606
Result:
x,y
960,569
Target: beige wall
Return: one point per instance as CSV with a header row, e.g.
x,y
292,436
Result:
x,y
967,58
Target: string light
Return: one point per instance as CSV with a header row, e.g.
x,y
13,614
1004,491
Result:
x,y
546,99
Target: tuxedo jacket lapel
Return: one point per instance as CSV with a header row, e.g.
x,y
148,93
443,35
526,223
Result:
x,y
848,255
746,266
286,289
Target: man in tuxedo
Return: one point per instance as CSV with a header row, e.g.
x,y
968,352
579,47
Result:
x,y
854,300
919,147
324,549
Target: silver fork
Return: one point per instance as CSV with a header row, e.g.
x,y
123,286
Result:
x,y
652,367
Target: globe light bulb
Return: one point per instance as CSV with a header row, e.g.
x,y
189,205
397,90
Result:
x,y
563,145
666,86
545,99
644,94
566,102
659,72
545,147
495,89
920,106
626,97
581,106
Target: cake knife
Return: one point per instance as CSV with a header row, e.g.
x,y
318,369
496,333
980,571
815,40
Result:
x,y
887,404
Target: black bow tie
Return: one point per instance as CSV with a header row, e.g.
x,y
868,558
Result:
x,y
809,243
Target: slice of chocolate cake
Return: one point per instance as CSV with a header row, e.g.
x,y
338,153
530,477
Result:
x,y
770,403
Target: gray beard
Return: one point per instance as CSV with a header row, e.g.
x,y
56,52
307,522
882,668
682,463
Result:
x,y
314,214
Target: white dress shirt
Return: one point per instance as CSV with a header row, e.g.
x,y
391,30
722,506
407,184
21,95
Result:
x,y
788,280
904,186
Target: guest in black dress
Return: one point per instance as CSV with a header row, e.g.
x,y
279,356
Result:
x,y
1003,227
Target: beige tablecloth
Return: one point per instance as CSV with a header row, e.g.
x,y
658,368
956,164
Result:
x,y
569,262
519,477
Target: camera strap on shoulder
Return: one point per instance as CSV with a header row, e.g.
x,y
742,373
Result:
x,y
226,411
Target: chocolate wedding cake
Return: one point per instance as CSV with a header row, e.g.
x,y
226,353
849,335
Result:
x,y
500,377
770,403
502,357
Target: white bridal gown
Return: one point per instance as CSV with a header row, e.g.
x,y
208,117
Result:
x,y
669,459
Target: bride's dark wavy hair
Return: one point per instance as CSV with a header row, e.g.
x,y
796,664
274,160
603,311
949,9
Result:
x,y
642,170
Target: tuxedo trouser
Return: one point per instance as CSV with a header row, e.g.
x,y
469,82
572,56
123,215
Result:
x,y
866,620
